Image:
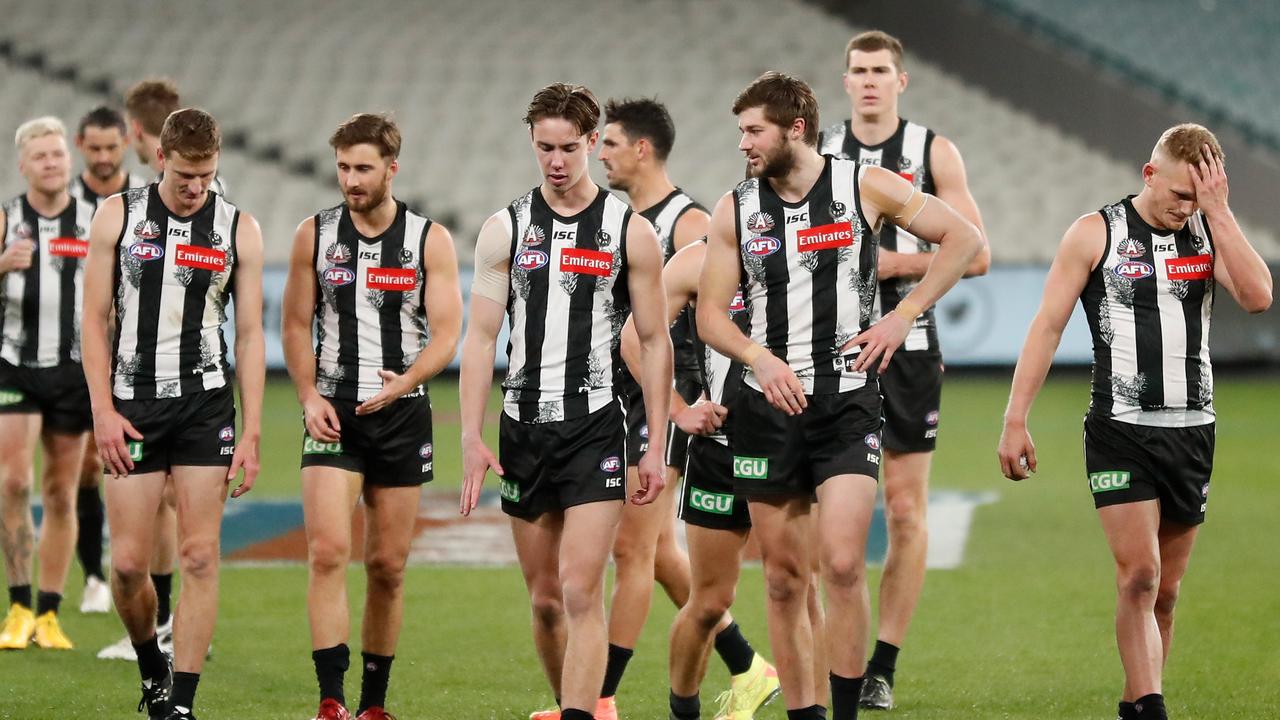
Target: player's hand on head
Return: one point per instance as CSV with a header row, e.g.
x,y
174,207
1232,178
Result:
x,y
246,458
1209,177
1016,451
879,342
394,386
701,418
653,477
110,430
477,460
320,419
778,382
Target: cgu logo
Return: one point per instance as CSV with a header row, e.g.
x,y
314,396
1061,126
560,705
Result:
x,y
750,468
763,246
338,276
718,503
611,464
146,251
531,259
738,304
1133,270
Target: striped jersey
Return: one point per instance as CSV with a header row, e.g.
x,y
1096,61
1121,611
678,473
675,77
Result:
x,y
907,153
173,278
664,217
1148,304
80,190
721,375
370,310
40,321
810,274
567,303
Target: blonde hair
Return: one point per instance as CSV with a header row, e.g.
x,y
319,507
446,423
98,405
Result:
x,y
38,128
1186,142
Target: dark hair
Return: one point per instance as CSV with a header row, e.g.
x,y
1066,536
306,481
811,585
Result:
x,y
873,40
367,128
574,103
102,117
784,98
151,101
643,118
191,133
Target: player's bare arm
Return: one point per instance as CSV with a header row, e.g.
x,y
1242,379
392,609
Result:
x,y
318,415
109,427
690,228
488,307
886,197
649,312
251,355
1080,251
444,319
1238,266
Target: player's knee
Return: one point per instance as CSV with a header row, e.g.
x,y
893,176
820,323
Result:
x,y
199,558
582,596
16,484
844,571
385,570
129,571
629,555
58,500
905,513
785,582
709,608
548,608
1166,599
325,556
1139,582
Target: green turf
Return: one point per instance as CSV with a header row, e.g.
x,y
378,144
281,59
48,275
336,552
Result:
x,y
1022,630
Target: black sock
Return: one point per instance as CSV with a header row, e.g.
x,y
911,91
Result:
x,y
845,693
884,660
46,601
164,588
152,663
331,665
89,514
373,684
1150,707
20,595
618,658
685,708
184,691
734,650
575,714
813,712
1126,711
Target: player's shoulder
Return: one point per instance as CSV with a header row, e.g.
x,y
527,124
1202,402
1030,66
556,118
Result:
x,y
833,130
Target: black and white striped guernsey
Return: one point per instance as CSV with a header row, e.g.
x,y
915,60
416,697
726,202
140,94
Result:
x,y
80,190
664,217
1148,304
173,279
721,375
810,274
906,152
370,310
568,301
40,321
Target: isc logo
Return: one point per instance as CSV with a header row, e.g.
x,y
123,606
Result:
x,y
531,259
1133,270
146,251
564,235
763,246
338,276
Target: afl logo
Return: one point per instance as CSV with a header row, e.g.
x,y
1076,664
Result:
x,y
147,230
534,235
763,246
531,259
931,417
146,251
1133,270
738,304
227,434
338,276
611,464
760,222
424,452
1130,248
872,440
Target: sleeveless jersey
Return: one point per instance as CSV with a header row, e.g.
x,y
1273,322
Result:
x,y
79,190
664,217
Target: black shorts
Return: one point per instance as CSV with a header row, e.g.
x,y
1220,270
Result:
x,y
58,394
912,392
778,454
556,465
197,430
390,448
1129,463
638,425
706,497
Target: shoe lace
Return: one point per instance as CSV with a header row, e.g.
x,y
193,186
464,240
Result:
x,y
725,702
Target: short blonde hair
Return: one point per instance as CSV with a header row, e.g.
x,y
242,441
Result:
x,y
1186,142
38,128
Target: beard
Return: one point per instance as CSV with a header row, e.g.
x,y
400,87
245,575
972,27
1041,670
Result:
x,y
775,164
371,198
104,171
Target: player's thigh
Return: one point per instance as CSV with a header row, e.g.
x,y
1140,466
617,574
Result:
x,y
906,476
715,557
584,549
391,514
847,502
63,456
200,492
537,543
18,435
329,496
132,502
640,525
1176,542
781,526
1132,531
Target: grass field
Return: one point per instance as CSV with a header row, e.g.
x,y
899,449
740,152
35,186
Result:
x,y
1022,630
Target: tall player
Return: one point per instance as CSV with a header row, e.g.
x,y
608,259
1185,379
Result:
x,y
148,103
166,258
1145,271
799,234
379,283
102,139
567,262
634,147
43,237
911,387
